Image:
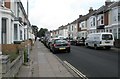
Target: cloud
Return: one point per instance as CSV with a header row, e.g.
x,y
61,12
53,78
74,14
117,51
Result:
x,y
53,13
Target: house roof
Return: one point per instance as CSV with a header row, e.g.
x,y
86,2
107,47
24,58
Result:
x,y
85,17
105,8
62,27
73,22
23,10
114,5
98,11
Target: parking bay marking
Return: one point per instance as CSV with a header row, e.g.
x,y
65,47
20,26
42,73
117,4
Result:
x,y
75,70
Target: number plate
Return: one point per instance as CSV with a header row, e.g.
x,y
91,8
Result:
x,y
107,42
61,48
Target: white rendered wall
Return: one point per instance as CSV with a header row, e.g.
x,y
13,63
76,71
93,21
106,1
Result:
x,y
0,26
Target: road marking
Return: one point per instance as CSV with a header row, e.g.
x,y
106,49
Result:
x,y
75,70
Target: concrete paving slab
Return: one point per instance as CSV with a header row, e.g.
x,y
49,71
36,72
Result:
x,y
24,71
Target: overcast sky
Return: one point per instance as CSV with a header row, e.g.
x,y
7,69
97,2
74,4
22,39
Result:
x,y
52,14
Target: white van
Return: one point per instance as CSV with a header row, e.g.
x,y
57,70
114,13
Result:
x,y
96,40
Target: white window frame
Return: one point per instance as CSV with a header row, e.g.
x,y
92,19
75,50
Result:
x,y
99,19
94,21
15,31
118,16
82,25
72,27
2,3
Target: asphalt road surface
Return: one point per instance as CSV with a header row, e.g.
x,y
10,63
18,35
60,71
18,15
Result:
x,y
91,62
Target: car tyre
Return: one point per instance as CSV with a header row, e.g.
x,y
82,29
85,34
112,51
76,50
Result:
x,y
54,52
95,46
76,44
86,45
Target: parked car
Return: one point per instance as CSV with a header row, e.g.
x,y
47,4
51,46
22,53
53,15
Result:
x,y
48,42
59,45
79,41
39,39
70,40
42,39
105,40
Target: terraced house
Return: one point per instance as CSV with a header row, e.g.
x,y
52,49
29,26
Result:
x,y
63,31
13,22
85,21
114,19
15,30
104,19
72,29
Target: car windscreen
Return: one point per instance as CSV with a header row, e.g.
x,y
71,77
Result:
x,y
60,41
107,37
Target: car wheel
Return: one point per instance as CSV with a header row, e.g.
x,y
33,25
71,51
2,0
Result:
x,y
76,44
95,46
86,45
54,51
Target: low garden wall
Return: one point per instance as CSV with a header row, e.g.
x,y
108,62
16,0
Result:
x,y
11,69
12,59
13,56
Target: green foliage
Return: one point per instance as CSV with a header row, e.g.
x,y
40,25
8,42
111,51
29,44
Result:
x,y
25,55
41,32
12,55
35,29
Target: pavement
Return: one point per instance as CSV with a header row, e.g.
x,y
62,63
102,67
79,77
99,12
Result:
x,y
43,63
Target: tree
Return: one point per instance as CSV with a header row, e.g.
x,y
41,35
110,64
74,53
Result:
x,y
41,32
35,29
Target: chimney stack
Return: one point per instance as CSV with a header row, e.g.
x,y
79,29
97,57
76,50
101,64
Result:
x,y
108,2
90,10
80,16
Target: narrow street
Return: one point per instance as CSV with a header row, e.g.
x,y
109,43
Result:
x,y
91,62
29,28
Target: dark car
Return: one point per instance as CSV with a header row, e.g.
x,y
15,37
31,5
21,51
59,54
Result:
x,y
80,41
70,40
59,45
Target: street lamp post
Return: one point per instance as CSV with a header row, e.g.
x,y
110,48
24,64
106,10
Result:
x,y
28,50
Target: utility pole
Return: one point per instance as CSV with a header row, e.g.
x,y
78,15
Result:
x,y
28,49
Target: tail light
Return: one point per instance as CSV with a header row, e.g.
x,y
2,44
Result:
x,y
54,45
